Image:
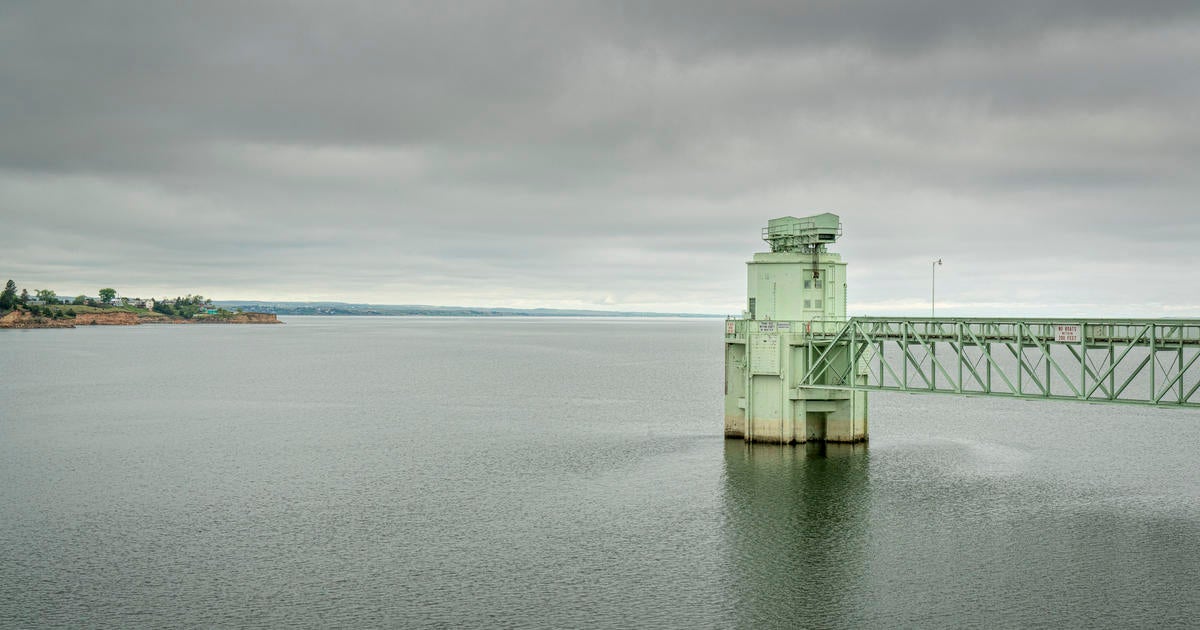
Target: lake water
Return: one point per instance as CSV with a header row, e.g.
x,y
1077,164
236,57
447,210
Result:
x,y
446,473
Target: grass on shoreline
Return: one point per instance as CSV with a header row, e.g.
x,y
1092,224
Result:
x,y
80,310
95,309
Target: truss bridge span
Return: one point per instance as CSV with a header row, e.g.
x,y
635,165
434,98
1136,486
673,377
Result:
x,y
1125,361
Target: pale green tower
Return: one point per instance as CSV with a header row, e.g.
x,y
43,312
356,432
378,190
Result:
x,y
796,293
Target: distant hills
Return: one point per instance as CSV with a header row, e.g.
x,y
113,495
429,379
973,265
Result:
x,y
343,308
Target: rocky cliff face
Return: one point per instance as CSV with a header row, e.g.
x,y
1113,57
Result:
x,y
120,318
240,318
257,318
22,319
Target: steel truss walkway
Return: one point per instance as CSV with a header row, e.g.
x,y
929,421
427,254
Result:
x,y
1134,361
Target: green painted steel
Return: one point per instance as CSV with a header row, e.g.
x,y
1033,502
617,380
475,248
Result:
x,y
1118,361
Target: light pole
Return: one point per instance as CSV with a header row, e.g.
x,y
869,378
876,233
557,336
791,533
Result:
x,y
933,287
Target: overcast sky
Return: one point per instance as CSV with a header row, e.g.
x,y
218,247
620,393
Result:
x,y
615,155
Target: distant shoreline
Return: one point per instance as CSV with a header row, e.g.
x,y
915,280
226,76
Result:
x,y
368,310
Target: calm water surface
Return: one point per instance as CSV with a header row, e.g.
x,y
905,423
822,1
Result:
x,y
414,472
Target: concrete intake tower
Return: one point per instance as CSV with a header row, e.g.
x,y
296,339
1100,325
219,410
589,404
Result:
x,y
793,291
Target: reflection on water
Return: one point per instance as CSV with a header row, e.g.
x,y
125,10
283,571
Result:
x,y
796,527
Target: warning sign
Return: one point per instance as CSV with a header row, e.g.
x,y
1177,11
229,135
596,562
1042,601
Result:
x,y
730,328
1067,333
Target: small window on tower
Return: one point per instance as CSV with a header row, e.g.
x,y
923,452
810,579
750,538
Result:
x,y
808,284
817,284
817,304
807,303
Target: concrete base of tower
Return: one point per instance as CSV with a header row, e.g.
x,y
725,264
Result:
x,y
774,431
812,416
735,426
845,431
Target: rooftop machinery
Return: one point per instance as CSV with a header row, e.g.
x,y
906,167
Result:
x,y
796,369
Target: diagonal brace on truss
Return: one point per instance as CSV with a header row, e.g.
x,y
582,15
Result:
x,y
933,360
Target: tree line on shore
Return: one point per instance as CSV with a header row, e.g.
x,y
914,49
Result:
x,y
47,303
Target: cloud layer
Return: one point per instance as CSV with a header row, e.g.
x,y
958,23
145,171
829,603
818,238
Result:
x,y
614,154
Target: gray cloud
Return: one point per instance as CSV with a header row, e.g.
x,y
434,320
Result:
x,y
552,153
